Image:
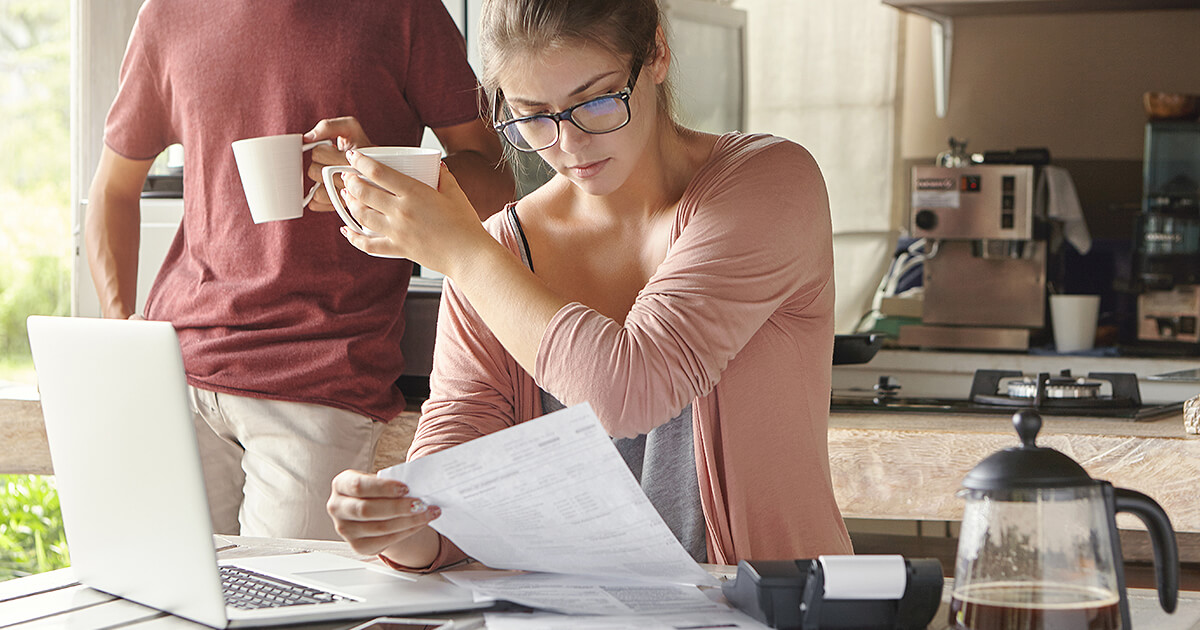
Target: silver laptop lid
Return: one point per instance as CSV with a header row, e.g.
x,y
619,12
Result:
x,y
114,398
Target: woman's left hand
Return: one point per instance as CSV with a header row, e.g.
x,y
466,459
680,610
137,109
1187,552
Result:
x,y
434,228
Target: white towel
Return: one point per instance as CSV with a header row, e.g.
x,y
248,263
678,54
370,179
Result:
x,y
1056,187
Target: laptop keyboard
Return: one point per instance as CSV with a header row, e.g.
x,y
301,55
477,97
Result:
x,y
250,590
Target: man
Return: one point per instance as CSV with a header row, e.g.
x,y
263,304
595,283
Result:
x,y
290,336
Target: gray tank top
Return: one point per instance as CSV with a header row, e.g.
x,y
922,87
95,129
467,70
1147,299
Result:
x,y
663,460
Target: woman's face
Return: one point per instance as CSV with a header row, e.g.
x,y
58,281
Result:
x,y
597,163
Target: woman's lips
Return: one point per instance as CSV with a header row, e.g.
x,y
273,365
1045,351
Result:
x,y
584,171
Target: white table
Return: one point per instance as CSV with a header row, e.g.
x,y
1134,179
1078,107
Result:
x,y
55,600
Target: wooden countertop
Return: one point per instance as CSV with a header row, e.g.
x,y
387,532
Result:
x,y
884,466
26,451
878,460
23,437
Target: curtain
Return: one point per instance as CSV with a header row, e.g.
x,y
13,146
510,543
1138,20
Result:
x,y
824,73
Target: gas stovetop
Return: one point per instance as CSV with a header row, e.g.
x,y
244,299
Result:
x,y
1098,395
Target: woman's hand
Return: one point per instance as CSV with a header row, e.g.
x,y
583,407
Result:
x,y
434,228
376,515
346,133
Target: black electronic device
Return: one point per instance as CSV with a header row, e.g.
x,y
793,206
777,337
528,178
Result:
x,y
865,592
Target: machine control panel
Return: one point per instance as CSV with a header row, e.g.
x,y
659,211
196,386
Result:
x,y
976,202
1008,202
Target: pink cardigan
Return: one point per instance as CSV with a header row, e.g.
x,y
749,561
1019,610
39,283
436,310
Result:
x,y
737,321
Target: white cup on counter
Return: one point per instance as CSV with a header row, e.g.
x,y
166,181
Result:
x,y
1074,321
419,163
271,168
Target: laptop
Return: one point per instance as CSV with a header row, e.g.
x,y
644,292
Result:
x,y
123,444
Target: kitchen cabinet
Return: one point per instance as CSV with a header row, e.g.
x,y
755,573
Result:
x,y
943,12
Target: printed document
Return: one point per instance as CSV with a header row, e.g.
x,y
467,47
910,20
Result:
x,y
551,495
585,595
729,620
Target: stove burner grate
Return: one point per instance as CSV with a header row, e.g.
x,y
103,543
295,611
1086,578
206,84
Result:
x,y
1123,403
1061,392
1054,387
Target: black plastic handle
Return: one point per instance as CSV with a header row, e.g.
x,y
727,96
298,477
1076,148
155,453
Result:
x,y
1162,535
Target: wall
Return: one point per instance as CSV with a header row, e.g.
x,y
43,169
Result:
x,y
1070,82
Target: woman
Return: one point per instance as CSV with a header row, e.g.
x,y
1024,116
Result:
x,y
678,281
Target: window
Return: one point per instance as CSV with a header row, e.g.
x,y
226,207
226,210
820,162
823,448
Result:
x,y
35,238
35,219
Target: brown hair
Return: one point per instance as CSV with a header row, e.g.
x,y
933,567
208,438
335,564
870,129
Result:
x,y
514,30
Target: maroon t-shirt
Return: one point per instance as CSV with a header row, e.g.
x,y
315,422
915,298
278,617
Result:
x,y
286,310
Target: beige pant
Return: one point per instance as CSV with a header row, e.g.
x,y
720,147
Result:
x,y
268,464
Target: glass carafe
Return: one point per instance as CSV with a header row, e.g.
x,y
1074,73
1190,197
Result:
x,y
1039,547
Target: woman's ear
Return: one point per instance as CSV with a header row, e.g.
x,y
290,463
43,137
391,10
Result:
x,y
662,56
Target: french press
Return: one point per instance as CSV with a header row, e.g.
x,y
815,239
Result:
x,y
1039,547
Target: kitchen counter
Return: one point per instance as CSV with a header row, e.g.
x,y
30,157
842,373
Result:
x,y
878,460
886,466
949,374
909,467
22,434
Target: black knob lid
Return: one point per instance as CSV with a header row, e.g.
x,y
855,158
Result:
x,y
1027,423
1027,465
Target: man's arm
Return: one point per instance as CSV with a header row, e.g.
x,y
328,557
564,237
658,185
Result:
x,y
475,156
112,231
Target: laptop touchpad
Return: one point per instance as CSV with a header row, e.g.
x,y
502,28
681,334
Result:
x,y
354,577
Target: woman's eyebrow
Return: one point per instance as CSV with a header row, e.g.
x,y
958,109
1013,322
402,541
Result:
x,y
587,85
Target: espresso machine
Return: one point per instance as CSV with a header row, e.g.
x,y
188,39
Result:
x,y
984,272
1167,252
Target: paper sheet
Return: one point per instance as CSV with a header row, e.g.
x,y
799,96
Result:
x,y
543,621
585,595
552,495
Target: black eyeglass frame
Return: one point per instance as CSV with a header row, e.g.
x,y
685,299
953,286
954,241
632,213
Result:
x,y
565,114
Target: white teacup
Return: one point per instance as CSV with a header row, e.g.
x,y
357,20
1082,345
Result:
x,y
272,175
418,163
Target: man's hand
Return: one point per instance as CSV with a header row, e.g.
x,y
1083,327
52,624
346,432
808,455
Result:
x,y
347,133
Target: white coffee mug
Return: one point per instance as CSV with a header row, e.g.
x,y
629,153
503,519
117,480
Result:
x,y
419,163
1074,321
271,168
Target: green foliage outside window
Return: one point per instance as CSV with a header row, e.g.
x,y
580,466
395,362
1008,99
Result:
x,y
35,182
31,533
35,244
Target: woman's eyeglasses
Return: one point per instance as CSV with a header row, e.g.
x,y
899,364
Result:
x,y
603,114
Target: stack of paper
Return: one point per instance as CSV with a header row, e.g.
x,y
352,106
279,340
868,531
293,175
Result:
x,y
553,501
